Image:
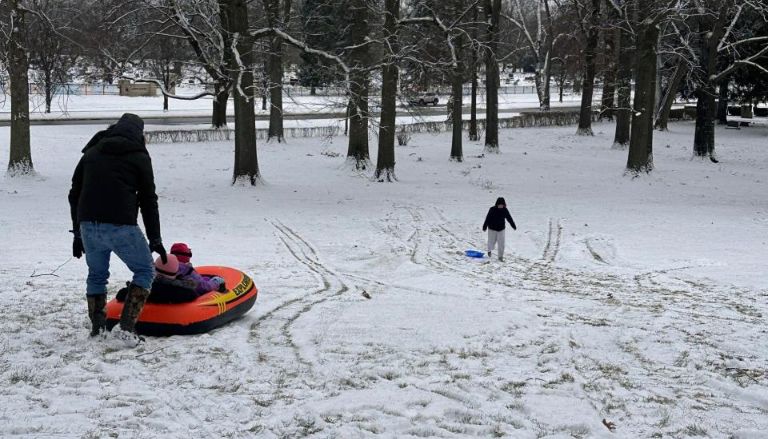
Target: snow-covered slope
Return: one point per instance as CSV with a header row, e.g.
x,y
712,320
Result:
x,y
638,301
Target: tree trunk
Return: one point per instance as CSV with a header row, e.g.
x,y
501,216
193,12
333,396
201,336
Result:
x,y
457,153
710,31
219,115
246,169
593,33
473,136
623,90
264,92
669,96
275,63
385,161
608,99
167,85
722,103
492,13
20,162
357,151
48,90
347,113
704,134
541,77
640,158
473,97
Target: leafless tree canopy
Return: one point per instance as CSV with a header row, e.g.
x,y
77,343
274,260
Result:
x,y
704,50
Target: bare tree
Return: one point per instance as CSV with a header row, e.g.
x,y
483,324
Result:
x,y
473,66
646,17
14,35
492,10
626,48
535,19
716,26
234,15
668,97
385,162
278,14
611,55
589,24
167,55
452,28
51,52
357,151
202,24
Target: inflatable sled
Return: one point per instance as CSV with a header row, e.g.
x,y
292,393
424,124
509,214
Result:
x,y
162,315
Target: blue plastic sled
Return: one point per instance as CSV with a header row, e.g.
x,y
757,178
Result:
x,y
474,253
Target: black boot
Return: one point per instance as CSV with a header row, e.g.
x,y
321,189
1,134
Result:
x,y
97,312
132,307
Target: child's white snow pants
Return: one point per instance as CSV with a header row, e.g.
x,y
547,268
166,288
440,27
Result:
x,y
495,236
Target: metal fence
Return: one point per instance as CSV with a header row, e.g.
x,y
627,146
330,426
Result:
x,y
77,89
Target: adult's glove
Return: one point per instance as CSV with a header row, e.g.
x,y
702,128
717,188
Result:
x,y
156,246
77,245
485,228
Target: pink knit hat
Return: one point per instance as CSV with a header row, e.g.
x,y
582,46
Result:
x,y
169,269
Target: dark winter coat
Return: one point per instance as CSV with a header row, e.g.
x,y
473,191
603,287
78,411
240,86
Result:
x,y
114,179
165,290
495,218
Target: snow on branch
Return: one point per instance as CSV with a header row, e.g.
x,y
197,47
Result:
x,y
740,42
738,63
446,30
301,45
240,65
729,29
165,92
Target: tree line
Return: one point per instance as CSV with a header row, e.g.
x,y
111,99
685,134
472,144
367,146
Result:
x,y
644,52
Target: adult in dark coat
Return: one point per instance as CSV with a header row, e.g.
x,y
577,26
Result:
x,y
495,224
111,183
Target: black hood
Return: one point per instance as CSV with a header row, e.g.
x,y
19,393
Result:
x,y
125,136
500,200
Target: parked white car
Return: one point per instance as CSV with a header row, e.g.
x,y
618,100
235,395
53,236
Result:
x,y
424,99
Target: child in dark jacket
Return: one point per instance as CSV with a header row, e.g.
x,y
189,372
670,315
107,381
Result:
x,y
186,271
495,224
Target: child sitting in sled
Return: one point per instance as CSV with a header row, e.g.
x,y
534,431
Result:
x,y
178,282
186,271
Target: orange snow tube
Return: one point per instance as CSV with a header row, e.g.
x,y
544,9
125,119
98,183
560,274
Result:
x,y
209,311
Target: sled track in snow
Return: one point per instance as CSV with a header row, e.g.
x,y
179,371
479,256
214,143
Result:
x,y
549,254
677,305
421,254
543,276
292,310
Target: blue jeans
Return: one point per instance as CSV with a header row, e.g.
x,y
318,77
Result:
x,y
127,242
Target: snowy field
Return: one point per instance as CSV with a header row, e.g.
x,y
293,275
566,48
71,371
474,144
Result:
x,y
639,302
97,106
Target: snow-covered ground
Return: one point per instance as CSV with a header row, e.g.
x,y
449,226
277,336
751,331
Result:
x,y
98,106
638,301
